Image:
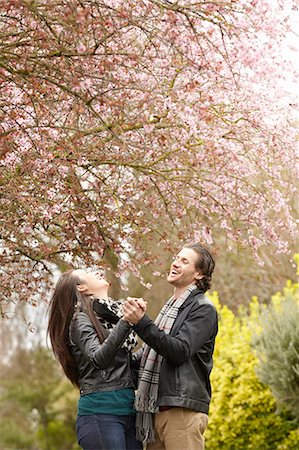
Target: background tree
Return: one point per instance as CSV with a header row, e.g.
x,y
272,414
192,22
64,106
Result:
x,y
238,276
38,406
129,119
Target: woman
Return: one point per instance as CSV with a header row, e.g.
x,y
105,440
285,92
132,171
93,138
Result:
x,y
93,343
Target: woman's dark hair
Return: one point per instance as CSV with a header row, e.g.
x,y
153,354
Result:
x,y
65,304
205,264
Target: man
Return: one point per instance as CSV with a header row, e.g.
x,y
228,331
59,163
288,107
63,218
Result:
x,y
174,379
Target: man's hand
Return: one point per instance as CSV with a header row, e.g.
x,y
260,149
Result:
x,y
134,309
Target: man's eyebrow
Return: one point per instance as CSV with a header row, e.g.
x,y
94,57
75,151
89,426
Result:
x,y
183,258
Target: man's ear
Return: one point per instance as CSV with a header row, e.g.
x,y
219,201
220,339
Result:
x,y
82,287
199,276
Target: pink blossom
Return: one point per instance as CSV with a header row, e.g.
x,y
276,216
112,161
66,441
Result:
x,y
91,218
81,48
148,128
63,170
207,235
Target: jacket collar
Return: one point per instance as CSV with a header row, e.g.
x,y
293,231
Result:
x,y
190,298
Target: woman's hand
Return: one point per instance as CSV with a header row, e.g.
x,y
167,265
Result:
x,y
134,309
142,303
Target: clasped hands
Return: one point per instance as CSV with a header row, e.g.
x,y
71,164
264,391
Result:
x,y
134,309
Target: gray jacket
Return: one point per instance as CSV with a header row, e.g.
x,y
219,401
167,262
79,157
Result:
x,y
102,367
187,353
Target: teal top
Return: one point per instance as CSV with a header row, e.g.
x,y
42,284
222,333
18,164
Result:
x,y
119,403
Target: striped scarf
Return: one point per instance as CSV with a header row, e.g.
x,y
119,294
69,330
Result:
x,y
149,372
109,312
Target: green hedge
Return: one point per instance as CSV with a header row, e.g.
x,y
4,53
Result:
x,y
244,413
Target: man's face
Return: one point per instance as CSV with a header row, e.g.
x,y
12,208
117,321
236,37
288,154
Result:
x,y
182,271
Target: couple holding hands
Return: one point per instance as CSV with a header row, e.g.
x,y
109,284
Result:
x,y
165,405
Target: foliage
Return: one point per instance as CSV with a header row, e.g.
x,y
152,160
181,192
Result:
x,y
16,429
129,119
291,442
243,411
277,346
38,407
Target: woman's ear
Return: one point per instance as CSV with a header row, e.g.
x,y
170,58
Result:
x,y
199,276
82,287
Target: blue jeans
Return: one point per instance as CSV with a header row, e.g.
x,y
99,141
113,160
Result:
x,y
107,432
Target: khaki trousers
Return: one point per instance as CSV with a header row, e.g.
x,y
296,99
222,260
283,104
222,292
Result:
x,y
179,429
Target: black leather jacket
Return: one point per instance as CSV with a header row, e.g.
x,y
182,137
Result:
x,y
102,367
187,353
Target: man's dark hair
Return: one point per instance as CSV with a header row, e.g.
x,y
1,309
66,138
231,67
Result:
x,y
205,264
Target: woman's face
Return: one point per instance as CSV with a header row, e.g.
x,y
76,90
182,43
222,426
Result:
x,y
92,283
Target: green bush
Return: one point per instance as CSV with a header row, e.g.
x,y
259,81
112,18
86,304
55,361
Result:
x,y
277,345
243,410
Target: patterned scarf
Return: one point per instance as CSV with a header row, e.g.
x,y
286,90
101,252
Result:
x,y
109,312
149,372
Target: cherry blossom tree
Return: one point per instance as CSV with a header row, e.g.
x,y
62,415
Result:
x,y
126,122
